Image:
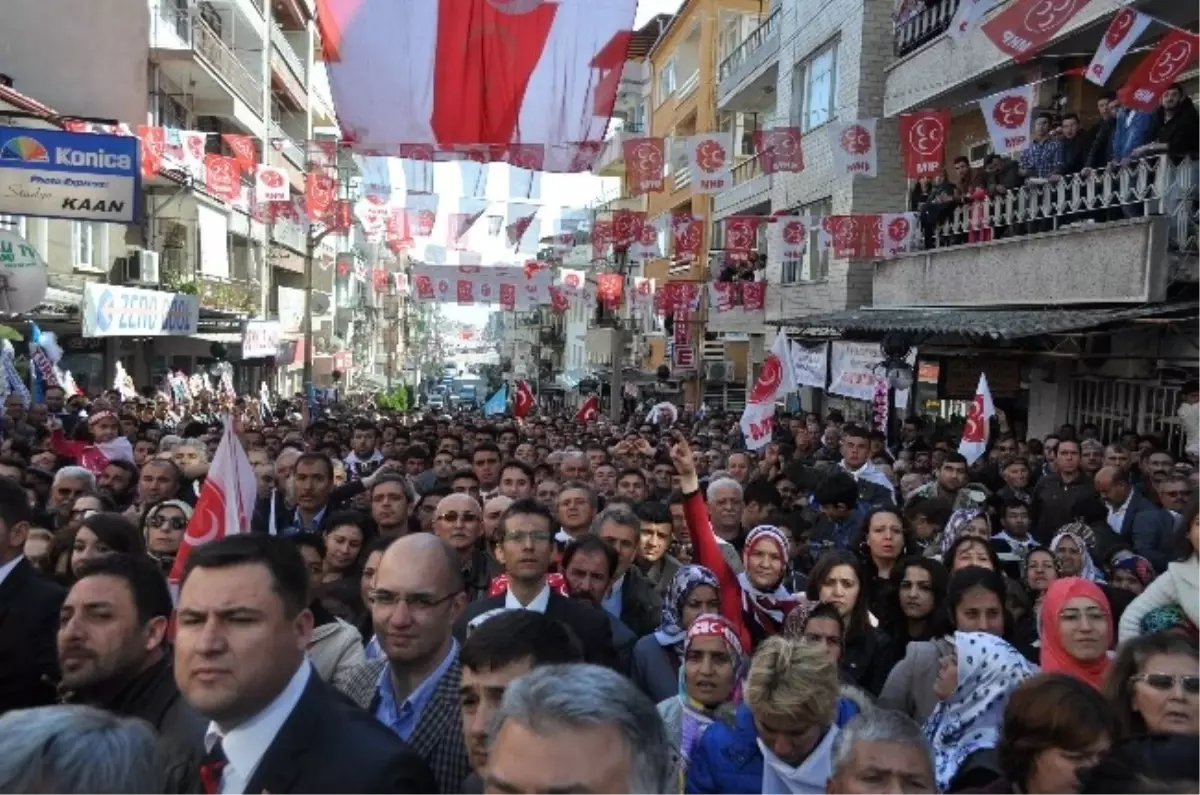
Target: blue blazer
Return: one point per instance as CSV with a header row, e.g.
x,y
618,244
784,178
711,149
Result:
x,y
1128,135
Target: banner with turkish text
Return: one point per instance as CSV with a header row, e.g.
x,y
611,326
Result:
x,y
1124,29
644,159
243,148
646,245
609,287
854,147
627,228
899,233
1024,27
710,158
810,363
153,144
721,296
602,238
854,236
1158,70
527,288
1009,115
754,295
422,213
776,380
319,192
967,17
779,150
923,141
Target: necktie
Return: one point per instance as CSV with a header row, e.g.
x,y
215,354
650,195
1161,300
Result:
x,y
211,767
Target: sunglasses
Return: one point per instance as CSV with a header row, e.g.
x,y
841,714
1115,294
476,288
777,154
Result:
x,y
1167,682
174,522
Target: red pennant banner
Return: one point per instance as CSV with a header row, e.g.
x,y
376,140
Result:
x,y
609,287
644,159
855,236
779,150
223,178
602,238
754,295
627,228
923,138
741,235
1158,70
508,296
243,149
319,190
531,157
687,234
1025,26
153,143
721,296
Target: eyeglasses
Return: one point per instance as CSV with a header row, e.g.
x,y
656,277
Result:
x,y
454,516
1166,682
174,522
536,536
417,602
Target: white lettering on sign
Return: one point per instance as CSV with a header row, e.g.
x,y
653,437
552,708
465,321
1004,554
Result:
x,y
66,156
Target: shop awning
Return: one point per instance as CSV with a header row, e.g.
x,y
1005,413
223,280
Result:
x,y
998,324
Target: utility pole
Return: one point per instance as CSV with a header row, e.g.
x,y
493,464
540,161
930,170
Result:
x,y
313,240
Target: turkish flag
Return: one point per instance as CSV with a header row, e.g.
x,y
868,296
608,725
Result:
x,y
243,149
923,138
589,411
1025,26
1158,70
222,177
523,400
979,415
226,501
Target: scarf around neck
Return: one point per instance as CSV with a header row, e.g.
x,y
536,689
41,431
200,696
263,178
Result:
x,y
768,609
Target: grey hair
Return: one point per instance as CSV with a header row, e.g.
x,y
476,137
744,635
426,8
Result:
x,y
169,443
77,749
619,514
877,726
77,473
722,483
579,485
553,697
196,444
1091,445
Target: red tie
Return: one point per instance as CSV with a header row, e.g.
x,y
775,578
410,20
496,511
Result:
x,y
211,767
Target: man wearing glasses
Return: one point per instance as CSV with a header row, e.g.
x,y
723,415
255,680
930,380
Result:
x,y
526,550
458,521
413,689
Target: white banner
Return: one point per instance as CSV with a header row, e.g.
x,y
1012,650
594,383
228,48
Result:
x,y
271,184
899,232
790,235
968,16
290,301
855,148
214,241
811,364
852,369
710,156
1009,115
260,338
111,311
1122,32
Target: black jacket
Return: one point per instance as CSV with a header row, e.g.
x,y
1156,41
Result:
x,y
479,577
29,607
641,605
590,625
1054,503
1180,132
338,499
328,745
1101,150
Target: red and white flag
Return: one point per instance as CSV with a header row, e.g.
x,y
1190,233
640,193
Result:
x,y
720,296
791,234
460,223
686,234
899,232
644,159
422,213
979,416
627,228
1126,26
710,156
496,72
1158,70
741,236
776,380
319,192
222,177
153,142
610,288
243,149
589,411
519,218
226,501
572,280
923,141
967,18
1009,116
754,295
854,147
523,399
643,292
271,184
646,245
779,150
1023,28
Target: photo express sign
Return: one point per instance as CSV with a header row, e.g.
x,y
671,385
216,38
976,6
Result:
x,y
78,176
110,311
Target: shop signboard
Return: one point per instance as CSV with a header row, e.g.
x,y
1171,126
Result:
x,y
260,338
77,176
111,311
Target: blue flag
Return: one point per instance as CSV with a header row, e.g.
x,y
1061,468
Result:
x,y
39,386
497,403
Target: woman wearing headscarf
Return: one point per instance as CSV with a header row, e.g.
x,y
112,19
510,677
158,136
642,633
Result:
x,y
657,657
1072,557
1130,573
1178,585
974,682
1076,630
713,663
963,522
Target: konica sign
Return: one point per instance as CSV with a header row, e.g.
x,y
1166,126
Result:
x,y
110,311
79,176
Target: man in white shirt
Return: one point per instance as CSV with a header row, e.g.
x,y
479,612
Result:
x,y
242,629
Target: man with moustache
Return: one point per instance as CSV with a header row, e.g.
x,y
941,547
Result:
x,y
458,522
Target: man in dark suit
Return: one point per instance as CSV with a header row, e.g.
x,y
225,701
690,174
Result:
x,y
630,596
589,566
413,689
316,497
525,552
1139,522
243,625
29,605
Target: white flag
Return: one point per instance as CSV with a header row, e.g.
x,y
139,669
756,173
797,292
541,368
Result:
x,y
710,156
855,148
1122,32
899,232
979,416
791,234
1009,116
776,380
970,13
270,184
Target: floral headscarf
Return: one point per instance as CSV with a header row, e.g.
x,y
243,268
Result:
x,y
768,609
696,718
1090,570
1136,565
958,520
970,720
1166,618
670,630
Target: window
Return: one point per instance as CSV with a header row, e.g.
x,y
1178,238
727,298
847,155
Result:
x,y
14,223
815,265
814,89
976,153
666,80
88,242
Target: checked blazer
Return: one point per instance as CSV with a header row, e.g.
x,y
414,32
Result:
x,y
438,736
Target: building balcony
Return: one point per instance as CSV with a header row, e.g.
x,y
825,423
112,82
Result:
x,y
682,178
746,78
736,320
923,25
286,148
611,162
1117,237
750,186
289,234
287,69
192,54
688,87
228,295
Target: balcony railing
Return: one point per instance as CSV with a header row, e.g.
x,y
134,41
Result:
x,y
920,26
749,44
747,170
287,146
209,46
289,234
227,295
289,54
689,86
1153,186
683,177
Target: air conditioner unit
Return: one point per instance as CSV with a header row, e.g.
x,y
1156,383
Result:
x,y
141,267
718,372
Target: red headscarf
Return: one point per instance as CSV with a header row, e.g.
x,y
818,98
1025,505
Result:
x,y
1055,657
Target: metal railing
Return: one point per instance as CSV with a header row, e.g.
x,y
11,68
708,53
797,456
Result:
x,y
747,169
289,54
754,39
689,86
924,25
208,45
683,177
287,146
1151,186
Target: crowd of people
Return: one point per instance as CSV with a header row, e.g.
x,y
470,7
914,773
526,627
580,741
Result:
x,y
425,602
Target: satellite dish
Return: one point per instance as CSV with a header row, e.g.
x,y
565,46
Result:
x,y
23,276
320,303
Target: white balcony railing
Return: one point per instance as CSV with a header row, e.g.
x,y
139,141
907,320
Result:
x,y
289,54
287,146
208,45
1152,186
748,45
683,177
689,86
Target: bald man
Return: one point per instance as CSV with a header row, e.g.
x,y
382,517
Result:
x,y
1139,522
458,521
413,689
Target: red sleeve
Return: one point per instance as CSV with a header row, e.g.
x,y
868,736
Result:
x,y
707,553
61,445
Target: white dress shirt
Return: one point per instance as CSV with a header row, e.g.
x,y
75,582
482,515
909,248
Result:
x,y
7,568
1116,516
245,745
538,605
